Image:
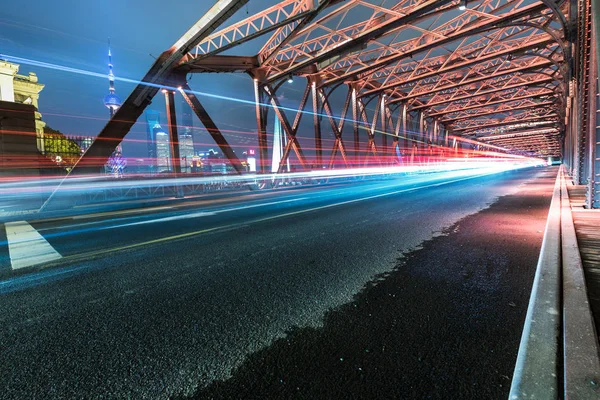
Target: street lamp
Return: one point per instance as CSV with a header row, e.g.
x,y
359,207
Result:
x,y
463,5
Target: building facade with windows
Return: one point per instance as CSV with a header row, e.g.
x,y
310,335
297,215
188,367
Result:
x,y
22,89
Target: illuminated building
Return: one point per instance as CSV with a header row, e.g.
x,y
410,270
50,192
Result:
x,y
23,89
152,127
84,142
163,152
187,120
111,100
186,151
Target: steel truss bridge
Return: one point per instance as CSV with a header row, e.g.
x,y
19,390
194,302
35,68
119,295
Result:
x,y
512,74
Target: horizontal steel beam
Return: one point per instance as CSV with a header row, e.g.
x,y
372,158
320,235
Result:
x,y
368,35
493,103
533,67
526,46
220,63
473,29
477,94
504,123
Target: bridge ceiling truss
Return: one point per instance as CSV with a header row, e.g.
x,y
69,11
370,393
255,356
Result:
x,y
492,68
495,62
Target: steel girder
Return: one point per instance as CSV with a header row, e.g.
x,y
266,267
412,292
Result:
x,y
511,120
465,109
403,51
593,197
470,93
464,29
542,131
550,144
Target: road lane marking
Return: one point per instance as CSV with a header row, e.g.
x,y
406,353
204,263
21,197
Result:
x,y
26,246
203,213
165,219
120,212
88,255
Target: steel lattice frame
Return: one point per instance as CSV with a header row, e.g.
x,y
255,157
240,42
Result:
x,y
426,69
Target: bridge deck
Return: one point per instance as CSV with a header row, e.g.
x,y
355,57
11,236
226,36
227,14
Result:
x,y
588,237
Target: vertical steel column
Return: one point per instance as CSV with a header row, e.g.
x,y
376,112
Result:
x,y
396,149
355,125
337,128
583,42
261,124
569,141
371,130
174,137
384,146
211,127
592,143
405,142
421,123
317,124
594,182
290,131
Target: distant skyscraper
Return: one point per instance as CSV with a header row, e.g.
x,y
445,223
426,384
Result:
x,y
111,100
187,120
186,151
163,152
152,127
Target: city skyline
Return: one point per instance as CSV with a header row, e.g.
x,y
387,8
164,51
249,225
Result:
x,y
71,102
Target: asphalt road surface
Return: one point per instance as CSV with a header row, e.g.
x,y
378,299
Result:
x,y
157,302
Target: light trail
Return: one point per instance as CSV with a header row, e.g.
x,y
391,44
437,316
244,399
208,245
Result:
x,y
96,185
79,71
65,271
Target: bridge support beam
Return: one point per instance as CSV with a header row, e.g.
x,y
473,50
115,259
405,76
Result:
x,y
593,199
317,124
260,100
290,131
383,115
355,123
211,127
336,128
174,138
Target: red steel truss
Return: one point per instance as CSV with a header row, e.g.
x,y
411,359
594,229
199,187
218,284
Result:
x,y
417,73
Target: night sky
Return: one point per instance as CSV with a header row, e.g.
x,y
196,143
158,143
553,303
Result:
x,y
74,34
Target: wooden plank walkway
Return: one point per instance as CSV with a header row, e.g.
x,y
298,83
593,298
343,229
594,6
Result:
x,y
587,229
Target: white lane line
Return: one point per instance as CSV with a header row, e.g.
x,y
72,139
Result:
x,y
26,246
165,219
203,213
123,212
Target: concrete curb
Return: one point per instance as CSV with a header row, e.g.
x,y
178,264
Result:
x,y
580,342
535,375
558,300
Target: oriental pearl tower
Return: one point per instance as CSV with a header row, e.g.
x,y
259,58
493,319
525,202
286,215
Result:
x,y
111,100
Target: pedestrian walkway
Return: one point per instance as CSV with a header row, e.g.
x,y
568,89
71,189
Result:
x,y
587,229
